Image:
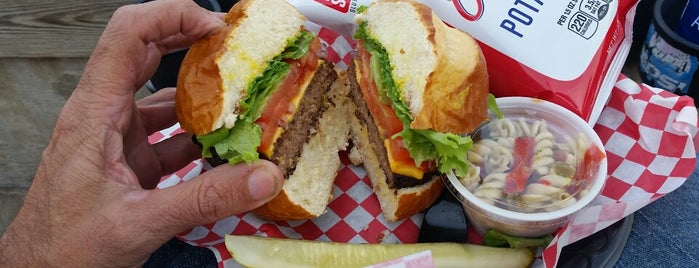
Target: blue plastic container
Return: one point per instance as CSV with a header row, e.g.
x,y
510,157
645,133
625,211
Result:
x,y
688,27
668,60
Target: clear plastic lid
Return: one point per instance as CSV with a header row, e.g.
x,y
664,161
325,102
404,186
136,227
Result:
x,y
531,160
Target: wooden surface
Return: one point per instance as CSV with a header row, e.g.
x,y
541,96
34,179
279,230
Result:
x,y
34,28
43,49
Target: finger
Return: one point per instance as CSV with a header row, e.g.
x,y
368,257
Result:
x,y
139,153
218,193
184,20
173,43
220,15
158,110
190,23
176,152
121,58
173,154
156,50
152,61
164,95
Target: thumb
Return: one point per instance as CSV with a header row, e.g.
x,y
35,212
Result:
x,y
218,193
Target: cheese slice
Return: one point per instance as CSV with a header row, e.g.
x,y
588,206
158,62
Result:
x,y
399,164
401,167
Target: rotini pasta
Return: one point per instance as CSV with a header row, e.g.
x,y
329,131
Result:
x,y
550,172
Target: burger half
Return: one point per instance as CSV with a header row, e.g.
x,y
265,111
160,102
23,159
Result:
x,y
256,89
419,87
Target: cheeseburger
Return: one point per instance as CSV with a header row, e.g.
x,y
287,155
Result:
x,y
418,85
257,88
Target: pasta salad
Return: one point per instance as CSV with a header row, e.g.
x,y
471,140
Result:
x,y
527,165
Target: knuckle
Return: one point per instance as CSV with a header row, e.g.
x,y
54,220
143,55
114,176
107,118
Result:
x,y
124,11
210,200
123,19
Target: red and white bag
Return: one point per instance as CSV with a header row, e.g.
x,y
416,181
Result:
x,y
568,52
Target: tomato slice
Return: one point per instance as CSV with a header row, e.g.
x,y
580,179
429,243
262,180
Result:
x,y
523,154
590,164
387,121
280,106
383,113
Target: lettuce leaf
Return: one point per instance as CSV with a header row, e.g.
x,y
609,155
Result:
x,y
240,143
448,150
209,140
493,106
495,238
361,9
297,47
260,89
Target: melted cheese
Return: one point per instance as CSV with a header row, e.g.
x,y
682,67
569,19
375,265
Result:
x,y
401,167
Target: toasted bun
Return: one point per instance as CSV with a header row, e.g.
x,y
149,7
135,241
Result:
x,y
207,91
396,204
441,70
308,189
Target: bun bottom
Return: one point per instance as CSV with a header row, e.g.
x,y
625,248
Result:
x,y
396,204
308,188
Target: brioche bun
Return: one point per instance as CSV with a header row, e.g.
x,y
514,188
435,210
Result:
x,y
228,60
441,70
396,203
308,189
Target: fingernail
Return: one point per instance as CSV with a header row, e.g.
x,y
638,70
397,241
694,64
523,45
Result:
x,y
262,184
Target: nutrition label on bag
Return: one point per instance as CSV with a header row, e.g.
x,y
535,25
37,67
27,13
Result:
x,y
582,16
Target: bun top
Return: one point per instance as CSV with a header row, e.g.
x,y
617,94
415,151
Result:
x,y
440,70
217,69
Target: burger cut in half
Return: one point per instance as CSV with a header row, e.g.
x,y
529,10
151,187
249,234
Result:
x,y
257,88
419,86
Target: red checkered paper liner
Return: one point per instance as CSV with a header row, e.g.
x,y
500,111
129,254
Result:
x,y
648,136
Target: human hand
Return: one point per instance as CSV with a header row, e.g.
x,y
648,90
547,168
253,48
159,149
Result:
x,y
91,202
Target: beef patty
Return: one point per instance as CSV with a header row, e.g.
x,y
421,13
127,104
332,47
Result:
x,y
394,181
287,148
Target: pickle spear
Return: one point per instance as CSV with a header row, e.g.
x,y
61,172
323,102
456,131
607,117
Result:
x,y
255,251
